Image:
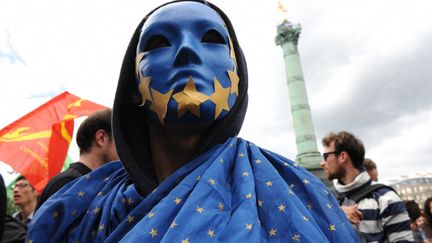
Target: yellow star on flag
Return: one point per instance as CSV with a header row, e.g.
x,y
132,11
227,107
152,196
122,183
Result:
x,y
153,232
221,206
211,233
212,181
189,99
220,98
199,209
260,203
81,194
249,195
249,226
144,89
55,214
177,201
101,227
173,224
96,210
185,240
272,232
305,218
245,174
296,237
332,227
269,183
130,219
281,208
150,215
159,103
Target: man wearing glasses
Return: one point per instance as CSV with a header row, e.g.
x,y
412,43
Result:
x,y
378,215
25,197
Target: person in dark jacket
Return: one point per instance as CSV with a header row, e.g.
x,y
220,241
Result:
x,y
96,148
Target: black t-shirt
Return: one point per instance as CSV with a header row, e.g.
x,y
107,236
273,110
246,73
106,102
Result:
x,y
74,171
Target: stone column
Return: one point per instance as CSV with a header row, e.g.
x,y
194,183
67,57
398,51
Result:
x,y
307,152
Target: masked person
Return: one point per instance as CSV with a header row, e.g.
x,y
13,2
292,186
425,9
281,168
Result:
x,y
180,102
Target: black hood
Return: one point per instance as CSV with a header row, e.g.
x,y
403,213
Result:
x,y
130,125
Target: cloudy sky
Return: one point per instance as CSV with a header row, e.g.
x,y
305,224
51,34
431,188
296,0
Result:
x,y
366,64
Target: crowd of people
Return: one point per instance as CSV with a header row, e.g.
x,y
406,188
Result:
x,y
166,165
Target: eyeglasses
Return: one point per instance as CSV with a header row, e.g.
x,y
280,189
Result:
x,y
20,185
325,155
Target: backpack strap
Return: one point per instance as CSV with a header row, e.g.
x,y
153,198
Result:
x,y
358,195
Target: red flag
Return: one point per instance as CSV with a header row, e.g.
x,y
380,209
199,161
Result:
x,y
36,144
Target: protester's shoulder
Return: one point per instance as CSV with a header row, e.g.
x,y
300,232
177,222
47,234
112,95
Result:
x,y
385,192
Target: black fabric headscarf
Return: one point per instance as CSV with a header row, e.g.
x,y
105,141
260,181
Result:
x,y
130,124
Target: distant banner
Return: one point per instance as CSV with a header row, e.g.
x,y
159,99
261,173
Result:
x,y
36,144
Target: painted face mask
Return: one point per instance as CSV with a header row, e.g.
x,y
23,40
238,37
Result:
x,y
185,64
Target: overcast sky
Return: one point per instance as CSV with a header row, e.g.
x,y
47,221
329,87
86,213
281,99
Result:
x,y
366,64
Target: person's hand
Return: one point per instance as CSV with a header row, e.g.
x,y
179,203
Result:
x,y
353,214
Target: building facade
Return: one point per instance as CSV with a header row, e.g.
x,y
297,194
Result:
x,y
417,189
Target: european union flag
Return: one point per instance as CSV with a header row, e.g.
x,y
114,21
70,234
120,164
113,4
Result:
x,y
236,192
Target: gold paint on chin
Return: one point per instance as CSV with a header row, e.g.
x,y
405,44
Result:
x,y
220,98
189,99
160,103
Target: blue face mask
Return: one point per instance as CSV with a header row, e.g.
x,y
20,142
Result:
x,y
185,64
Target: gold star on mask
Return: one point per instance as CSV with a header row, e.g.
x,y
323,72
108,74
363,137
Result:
x,y
144,89
159,104
220,98
189,99
232,52
234,81
138,58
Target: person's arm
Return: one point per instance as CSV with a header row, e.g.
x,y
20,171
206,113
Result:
x,y
394,218
352,213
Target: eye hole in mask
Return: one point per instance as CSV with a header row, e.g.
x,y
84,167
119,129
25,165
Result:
x,y
156,42
213,37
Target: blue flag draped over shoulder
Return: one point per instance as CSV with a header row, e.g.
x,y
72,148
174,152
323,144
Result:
x,y
235,192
